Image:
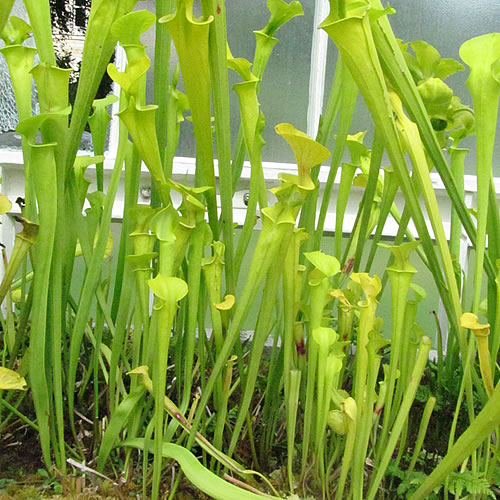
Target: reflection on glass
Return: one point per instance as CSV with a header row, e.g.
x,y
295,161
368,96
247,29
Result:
x,y
69,20
445,25
8,112
284,90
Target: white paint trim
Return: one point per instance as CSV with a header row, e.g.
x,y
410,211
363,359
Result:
x,y
184,169
318,68
186,165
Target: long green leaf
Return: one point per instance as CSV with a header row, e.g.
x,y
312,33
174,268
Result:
x,y
200,476
117,423
97,51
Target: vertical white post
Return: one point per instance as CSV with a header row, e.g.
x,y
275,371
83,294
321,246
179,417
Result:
x,y
318,68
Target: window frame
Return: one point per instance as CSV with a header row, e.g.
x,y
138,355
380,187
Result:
x,y
184,167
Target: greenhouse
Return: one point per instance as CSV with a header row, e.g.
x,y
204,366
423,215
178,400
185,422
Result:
x,y
249,249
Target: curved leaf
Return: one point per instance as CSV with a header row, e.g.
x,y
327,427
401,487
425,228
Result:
x,y
402,255
324,336
471,322
163,224
53,84
227,304
168,289
371,285
281,13
116,424
481,52
15,31
327,264
130,79
308,152
130,27
200,476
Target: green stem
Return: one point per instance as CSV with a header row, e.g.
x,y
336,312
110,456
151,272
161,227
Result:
x,y
22,244
457,168
162,339
132,177
217,44
94,270
261,332
264,256
40,20
348,104
161,76
18,414
44,174
222,409
318,300
5,9
348,171
195,255
387,205
422,430
370,191
483,425
400,283
404,410
346,460
292,401
495,340
397,72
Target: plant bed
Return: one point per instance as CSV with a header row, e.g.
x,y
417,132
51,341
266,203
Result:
x,y
124,370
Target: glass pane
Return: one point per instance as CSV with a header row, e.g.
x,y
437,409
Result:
x,y
8,112
68,45
285,85
445,25
361,121
284,90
